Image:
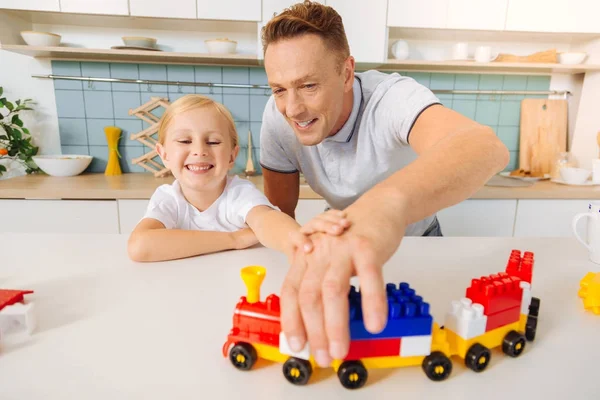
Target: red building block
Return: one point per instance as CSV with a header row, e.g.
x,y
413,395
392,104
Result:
x,y
503,318
496,293
10,297
520,267
257,322
373,348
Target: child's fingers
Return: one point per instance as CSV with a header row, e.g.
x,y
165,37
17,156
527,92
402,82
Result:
x,y
301,241
336,217
319,224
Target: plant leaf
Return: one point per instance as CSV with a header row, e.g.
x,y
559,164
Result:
x,y
2,168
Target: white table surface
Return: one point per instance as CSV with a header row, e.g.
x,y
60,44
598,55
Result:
x,y
109,328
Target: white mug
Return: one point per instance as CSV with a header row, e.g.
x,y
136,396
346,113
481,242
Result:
x,y
596,171
484,54
460,51
593,230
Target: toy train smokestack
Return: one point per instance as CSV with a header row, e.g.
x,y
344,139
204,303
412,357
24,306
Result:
x,y
253,277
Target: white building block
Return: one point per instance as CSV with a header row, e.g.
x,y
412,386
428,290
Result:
x,y
284,348
17,318
526,299
466,319
415,346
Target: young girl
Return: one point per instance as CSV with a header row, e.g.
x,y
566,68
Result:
x,y
205,210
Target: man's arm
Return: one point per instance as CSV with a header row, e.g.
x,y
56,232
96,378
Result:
x,y
282,190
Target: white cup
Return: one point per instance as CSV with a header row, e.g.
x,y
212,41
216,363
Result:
x,y
460,51
593,230
484,54
596,171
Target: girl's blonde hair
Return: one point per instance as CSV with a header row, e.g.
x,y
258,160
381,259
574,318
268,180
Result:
x,y
190,102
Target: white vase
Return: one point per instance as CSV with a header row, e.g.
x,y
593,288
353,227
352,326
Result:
x,y
13,168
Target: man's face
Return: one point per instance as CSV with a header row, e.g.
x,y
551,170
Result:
x,y
308,84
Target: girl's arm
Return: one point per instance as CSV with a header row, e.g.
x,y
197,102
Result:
x,y
150,241
273,228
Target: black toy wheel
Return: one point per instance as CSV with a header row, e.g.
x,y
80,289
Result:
x,y
242,356
437,366
478,357
534,307
513,344
352,374
530,328
297,371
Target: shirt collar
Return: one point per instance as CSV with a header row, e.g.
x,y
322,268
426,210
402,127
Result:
x,y
344,134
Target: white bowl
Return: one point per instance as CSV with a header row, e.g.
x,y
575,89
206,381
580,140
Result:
x,y
571,58
63,165
221,46
139,41
41,38
575,176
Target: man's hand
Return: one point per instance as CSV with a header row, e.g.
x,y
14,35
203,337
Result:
x,y
314,295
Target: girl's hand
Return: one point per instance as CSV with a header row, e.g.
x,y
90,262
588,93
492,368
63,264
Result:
x,y
332,222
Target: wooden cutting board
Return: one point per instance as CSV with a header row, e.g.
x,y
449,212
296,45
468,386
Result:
x,y
543,134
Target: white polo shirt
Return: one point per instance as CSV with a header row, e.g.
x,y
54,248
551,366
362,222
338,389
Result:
x,y
371,146
227,214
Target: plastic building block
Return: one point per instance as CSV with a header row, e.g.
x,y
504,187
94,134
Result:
x,y
496,292
15,315
526,300
520,267
373,348
415,346
284,348
10,297
408,314
466,319
590,292
503,318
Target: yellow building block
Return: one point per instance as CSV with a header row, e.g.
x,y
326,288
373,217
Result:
x,y
590,292
491,339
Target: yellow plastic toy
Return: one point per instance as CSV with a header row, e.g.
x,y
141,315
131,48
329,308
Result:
x,y
590,292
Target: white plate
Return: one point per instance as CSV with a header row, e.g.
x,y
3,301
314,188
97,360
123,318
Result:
x,y
135,48
524,178
586,183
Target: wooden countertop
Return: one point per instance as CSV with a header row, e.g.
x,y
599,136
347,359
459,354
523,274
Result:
x,y
142,185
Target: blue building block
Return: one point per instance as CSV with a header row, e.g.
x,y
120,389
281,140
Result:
x,y
408,314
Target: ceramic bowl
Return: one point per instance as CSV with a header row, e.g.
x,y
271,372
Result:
x,y
63,164
575,176
571,58
139,41
47,39
220,46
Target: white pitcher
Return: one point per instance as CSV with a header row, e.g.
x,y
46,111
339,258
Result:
x,y
593,230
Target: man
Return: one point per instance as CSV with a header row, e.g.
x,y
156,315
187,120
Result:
x,y
355,137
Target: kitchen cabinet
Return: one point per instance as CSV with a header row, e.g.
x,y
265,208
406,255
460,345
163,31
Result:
x,y
421,14
233,10
109,7
34,5
274,7
164,9
477,14
552,16
130,213
479,218
365,26
59,216
549,218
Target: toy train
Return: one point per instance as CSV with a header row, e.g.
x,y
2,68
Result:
x,y
498,310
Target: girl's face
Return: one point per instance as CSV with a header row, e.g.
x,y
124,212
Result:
x,y
198,149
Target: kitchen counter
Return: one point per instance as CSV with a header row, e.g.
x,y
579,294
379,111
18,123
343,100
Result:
x,y
111,328
142,185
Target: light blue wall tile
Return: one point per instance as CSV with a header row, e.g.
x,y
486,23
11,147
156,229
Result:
x,y
73,132
509,136
66,68
208,74
514,82
423,78
99,104
125,101
181,73
242,130
69,103
146,97
466,81
128,153
487,112
236,75
216,97
238,105
255,128
100,160
514,161
176,96
472,97
490,82
537,82
125,71
153,72
79,150
510,113
258,76
445,99
257,107
129,127
95,70
95,128
442,82
465,107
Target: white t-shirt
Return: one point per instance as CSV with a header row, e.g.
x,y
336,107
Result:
x,y
226,214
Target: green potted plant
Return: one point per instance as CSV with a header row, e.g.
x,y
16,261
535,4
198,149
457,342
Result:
x,y
16,149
